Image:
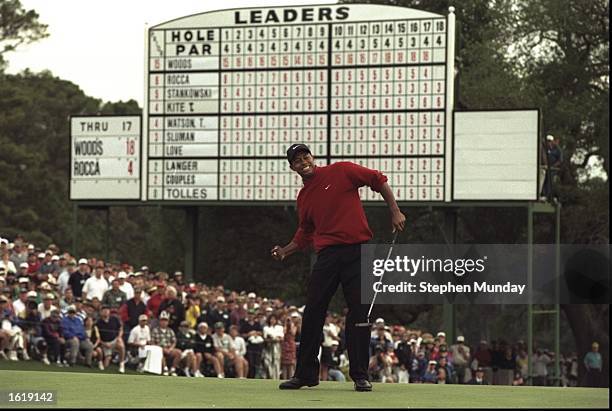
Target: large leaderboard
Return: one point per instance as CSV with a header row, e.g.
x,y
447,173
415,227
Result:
x,y
229,91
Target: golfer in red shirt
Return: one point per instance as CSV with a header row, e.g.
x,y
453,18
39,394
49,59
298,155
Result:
x,y
332,220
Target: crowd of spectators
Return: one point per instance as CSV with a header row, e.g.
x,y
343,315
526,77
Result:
x,y
64,310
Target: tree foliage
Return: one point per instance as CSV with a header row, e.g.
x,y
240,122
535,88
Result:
x,y
18,26
563,56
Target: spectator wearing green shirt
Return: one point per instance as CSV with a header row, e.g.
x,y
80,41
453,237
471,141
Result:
x,y
593,364
114,297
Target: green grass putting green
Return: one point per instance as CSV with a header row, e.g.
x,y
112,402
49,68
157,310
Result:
x,y
80,387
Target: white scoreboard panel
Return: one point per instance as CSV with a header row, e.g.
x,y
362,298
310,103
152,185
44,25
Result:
x,y
105,158
229,91
496,155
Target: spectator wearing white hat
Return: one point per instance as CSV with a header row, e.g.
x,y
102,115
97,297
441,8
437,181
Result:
x,y
78,278
251,302
95,286
73,330
156,296
146,273
219,313
174,307
377,324
205,350
47,306
381,338
431,373
52,281
62,262
461,359
24,282
23,270
178,278
139,337
164,337
124,285
44,288
296,319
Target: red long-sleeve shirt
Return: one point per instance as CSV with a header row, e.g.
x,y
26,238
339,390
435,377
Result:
x,y
329,207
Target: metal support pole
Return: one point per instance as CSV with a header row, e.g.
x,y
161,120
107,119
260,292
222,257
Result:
x,y
313,259
450,232
107,239
530,294
75,216
557,293
191,242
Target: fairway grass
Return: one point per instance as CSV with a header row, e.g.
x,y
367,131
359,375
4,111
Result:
x,y
110,390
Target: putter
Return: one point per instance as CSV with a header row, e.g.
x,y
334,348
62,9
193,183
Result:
x,y
368,323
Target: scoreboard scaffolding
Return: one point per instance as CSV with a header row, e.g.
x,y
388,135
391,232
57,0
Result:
x,y
229,91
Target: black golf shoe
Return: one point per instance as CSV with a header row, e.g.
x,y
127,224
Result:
x,y
296,383
363,385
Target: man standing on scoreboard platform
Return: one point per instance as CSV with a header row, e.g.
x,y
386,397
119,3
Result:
x,y
332,219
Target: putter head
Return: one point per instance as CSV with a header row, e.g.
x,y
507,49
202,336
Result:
x,y
368,325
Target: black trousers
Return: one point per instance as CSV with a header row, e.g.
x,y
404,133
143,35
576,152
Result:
x,y
593,378
254,359
335,264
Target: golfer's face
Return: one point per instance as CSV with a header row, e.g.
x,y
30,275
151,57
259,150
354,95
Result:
x,y
303,164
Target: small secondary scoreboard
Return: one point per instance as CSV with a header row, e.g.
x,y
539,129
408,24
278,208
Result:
x,y
105,157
